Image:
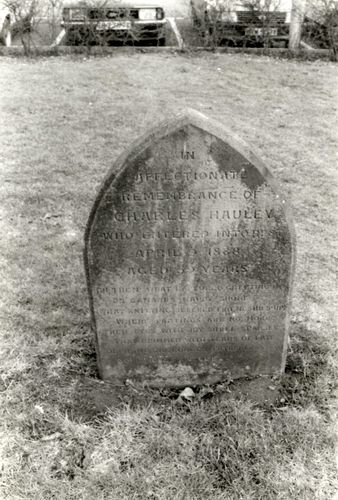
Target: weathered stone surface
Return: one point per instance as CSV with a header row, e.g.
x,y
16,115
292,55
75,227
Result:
x,y
189,260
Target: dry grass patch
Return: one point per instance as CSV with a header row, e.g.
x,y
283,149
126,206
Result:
x,y
64,122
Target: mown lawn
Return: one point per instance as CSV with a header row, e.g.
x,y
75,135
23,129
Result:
x,y
63,123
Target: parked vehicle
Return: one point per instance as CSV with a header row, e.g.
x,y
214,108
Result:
x,y
113,20
238,22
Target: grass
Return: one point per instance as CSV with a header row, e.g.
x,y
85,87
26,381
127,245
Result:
x,y
64,122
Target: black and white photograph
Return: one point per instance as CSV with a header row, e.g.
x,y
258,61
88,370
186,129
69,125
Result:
x,y
168,251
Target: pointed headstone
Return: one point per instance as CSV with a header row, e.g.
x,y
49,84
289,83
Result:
x,y
189,255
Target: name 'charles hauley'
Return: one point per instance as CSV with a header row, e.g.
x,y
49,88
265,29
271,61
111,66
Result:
x,y
188,215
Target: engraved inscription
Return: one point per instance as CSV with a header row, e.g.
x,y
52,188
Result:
x,y
189,257
188,155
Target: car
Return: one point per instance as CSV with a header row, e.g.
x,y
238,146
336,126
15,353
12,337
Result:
x,y
113,21
5,25
238,22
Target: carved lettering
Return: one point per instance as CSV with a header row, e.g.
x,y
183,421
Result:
x,y
240,214
155,216
188,256
188,155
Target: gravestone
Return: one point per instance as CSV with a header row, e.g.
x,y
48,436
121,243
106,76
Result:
x,y
189,260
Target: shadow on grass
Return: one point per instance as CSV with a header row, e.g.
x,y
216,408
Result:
x,y
69,384
308,381
310,371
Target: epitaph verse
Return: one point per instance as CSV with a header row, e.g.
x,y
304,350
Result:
x,y
189,260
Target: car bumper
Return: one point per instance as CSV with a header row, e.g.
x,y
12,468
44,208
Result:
x,y
241,32
135,29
